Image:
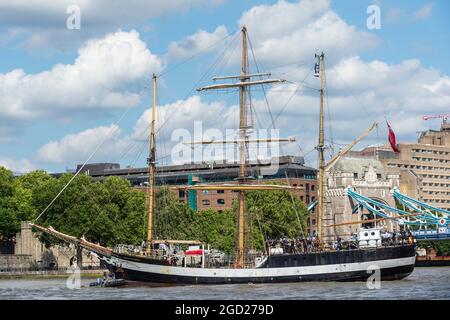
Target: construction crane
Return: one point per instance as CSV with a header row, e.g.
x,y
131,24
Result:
x,y
442,116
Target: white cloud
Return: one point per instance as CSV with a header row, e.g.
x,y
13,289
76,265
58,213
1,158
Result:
x,y
76,148
291,32
49,12
101,78
361,92
281,18
18,165
182,114
405,86
286,32
43,23
193,44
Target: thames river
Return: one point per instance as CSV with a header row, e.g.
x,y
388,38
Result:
x,y
423,283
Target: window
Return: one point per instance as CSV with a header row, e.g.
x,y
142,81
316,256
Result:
x,y
220,191
355,175
205,191
181,193
379,176
312,187
221,202
205,202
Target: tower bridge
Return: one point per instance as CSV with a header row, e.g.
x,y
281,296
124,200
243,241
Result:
x,y
361,189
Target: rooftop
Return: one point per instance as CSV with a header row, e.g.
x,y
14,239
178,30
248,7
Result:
x,y
290,166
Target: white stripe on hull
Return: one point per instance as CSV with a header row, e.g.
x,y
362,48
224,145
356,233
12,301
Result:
x,y
263,272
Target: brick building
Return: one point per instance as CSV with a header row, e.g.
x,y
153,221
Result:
x,y
424,167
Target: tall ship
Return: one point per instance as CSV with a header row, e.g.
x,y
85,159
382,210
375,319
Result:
x,y
187,261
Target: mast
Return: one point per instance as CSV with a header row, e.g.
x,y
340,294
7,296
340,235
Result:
x,y
323,167
245,81
242,156
320,148
151,172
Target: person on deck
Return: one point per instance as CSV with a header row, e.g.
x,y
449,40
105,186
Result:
x,y
339,244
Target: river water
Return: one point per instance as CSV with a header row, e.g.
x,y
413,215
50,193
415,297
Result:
x,y
423,283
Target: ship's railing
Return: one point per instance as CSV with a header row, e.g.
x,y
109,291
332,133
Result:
x,y
277,247
138,250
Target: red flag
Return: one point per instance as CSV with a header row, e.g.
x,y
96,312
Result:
x,y
392,138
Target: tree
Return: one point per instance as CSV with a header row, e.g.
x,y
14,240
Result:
x,y
271,214
172,219
34,179
133,226
274,214
111,212
15,204
8,217
107,213
215,228
6,180
442,247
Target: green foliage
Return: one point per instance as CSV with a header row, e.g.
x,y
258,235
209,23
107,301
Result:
x,y
6,180
175,220
15,204
107,213
172,219
442,247
274,214
110,212
216,228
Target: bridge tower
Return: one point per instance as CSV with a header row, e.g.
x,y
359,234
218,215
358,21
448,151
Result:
x,y
366,176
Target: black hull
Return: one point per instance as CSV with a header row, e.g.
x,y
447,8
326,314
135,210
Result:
x,y
395,273
350,259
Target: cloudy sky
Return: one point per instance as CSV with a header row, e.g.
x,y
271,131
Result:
x,y
68,95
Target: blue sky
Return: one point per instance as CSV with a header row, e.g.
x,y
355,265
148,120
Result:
x,y
53,119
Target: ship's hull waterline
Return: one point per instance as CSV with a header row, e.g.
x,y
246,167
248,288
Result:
x,y
355,265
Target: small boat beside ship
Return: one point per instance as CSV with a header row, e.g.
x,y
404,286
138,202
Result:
x,y
108,280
